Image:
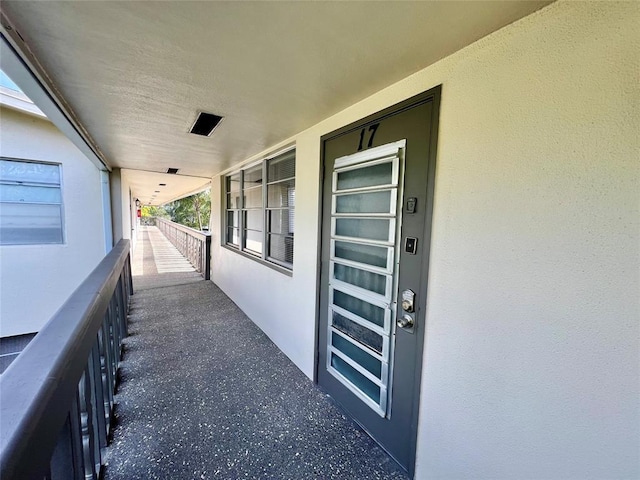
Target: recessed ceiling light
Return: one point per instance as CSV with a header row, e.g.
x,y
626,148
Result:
x,y
205,124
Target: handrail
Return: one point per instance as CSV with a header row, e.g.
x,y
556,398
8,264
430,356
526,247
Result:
x,y
193,244
183,228
54,392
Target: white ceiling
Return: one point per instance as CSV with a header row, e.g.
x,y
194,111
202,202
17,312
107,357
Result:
x,y
135,73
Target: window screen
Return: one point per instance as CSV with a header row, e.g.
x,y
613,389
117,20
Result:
x,y
30,203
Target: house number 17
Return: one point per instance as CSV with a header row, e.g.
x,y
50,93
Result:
x,y
372,131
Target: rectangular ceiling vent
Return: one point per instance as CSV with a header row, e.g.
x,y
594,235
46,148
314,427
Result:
x,y
172,170
205,124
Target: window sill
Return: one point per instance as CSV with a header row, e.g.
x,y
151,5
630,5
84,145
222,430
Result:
x,y
273,266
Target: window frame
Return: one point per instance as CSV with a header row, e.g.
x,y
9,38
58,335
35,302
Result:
x,y
240,211
60,186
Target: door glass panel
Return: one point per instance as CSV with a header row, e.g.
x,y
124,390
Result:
x,y
367,254
372,364
359,307
362,334
373,282
366,228
369,388
369,176
372,202
367,215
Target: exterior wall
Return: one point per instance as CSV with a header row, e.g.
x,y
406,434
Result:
x,y
31,290
130,220
531,361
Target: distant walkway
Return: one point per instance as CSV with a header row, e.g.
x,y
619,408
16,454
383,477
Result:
x,y
204,394
155,258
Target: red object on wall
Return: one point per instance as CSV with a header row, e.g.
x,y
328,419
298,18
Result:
x,y
139,213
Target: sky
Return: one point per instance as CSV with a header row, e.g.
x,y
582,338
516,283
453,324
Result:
x,y
6,82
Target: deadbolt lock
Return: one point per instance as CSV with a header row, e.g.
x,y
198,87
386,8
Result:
x,y
408,301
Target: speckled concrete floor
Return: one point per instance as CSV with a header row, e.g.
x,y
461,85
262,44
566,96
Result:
x,y
205,394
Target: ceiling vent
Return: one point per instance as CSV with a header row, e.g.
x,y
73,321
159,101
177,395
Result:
x,y
172,171
205,124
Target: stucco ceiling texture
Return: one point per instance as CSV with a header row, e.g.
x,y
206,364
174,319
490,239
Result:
x,y
153,188
136,73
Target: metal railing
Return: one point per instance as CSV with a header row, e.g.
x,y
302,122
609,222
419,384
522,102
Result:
x,y
193,244
56,398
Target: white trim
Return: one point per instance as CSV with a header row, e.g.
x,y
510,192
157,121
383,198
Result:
x,y
389,149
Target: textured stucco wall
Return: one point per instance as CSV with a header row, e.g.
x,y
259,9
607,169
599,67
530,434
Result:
x,y
31,276
531,365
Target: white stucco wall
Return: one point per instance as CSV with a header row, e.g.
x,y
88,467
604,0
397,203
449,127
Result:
x,y
130,221
35,280
531,365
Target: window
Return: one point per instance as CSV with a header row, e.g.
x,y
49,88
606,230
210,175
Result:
x,y
259,210
30,203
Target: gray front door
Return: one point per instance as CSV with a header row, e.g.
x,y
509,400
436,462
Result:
x,y
377,203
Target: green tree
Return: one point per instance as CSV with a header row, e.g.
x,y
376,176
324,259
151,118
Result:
x,y
152,211
193,211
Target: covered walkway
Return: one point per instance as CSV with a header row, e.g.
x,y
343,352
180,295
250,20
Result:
x,y
205,394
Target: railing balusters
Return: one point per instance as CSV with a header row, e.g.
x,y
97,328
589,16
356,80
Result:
x,y
57,429
193,244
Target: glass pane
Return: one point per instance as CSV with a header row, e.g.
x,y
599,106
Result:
x,y
367,387
358,332
282,194
233,236
281,221
380,174
282,167
253,219
26,193
373,365
373,282
233,218
363,309
233,200
253,176
367,254
233,183
15,171
253,198
281,248
253,241
368,228
374,202
25,224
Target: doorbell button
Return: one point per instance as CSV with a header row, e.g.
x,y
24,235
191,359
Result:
x,y
411,245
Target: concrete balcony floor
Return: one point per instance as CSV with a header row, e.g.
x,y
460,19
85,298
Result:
x,y
205,394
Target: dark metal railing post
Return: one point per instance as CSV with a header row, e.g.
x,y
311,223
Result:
x,y
207,257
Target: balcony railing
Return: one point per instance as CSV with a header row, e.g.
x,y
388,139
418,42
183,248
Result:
x,y
193,244
56,398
